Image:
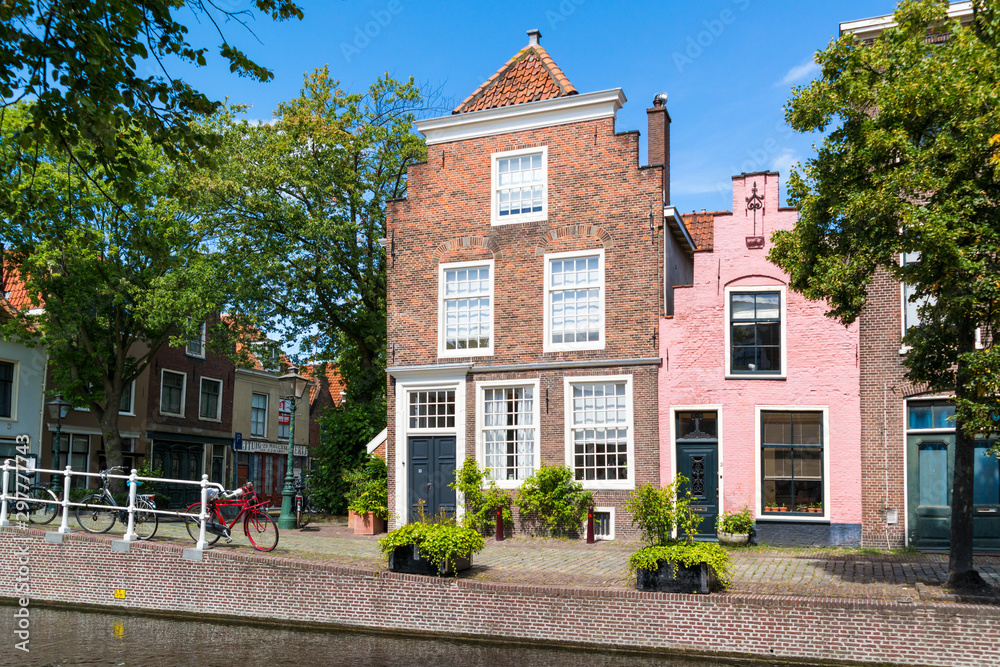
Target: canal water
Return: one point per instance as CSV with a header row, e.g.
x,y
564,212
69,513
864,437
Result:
x,y
62,637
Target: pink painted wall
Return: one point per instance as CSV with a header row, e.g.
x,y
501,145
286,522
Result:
x,y
821,362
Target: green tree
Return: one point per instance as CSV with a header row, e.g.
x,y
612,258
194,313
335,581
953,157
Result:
x,y
98,74
300,209
906,168
110,285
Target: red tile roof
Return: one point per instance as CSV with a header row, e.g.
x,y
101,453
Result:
x,y
14,291
702,229
529,76
326,378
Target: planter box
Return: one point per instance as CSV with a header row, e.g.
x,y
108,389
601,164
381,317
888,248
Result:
x,y
733,539
408,559
365,524
672,579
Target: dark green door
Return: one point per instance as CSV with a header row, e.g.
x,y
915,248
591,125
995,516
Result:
x,y
179,461
931,462
698,460
431,462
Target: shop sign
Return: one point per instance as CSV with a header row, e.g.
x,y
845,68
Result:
x,y
266,447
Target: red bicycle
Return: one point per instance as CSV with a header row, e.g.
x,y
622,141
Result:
x,y
257,523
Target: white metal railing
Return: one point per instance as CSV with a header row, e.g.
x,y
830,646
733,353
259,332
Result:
x,y
11,465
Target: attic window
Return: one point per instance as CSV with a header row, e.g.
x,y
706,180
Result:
x,y
520,186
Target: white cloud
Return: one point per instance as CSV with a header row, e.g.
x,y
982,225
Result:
x,y
806,70
784,161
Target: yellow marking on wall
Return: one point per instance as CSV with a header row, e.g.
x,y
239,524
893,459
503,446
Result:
x,y
118,629
119,593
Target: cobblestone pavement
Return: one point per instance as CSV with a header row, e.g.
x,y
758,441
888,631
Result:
x,y
842,573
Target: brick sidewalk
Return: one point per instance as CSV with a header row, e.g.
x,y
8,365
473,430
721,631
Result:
x,y
840,573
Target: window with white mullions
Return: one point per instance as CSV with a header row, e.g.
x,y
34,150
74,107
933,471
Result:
x,y
600,431
258,415
792,461
209,401
574,318
755,332
509,436
467,310
172,393
6,389
432,409
520,182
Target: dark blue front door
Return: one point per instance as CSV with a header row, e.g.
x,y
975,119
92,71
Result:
x,y
431,462
698,460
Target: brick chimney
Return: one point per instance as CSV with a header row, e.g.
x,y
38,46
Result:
x,y
659,140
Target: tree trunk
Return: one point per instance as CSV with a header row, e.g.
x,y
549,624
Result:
x,y
961,573
112,442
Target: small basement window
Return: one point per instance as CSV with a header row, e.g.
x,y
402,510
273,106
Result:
x,y
604,523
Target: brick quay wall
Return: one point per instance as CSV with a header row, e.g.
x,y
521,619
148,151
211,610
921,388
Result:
x,y
153,576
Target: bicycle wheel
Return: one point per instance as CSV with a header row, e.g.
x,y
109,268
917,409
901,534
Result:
x,y
194,527
42,512
95,519
260,530
302,515
145,523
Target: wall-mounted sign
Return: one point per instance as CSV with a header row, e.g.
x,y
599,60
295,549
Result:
x,y
266,447
284,405
284,419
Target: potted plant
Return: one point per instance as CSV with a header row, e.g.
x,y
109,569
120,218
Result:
x,y
367,497
733,528
816,508
435,548
673,564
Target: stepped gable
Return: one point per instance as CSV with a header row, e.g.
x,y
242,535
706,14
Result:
x,y
530,76
702,230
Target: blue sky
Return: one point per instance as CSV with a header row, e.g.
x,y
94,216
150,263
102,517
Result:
x,y
728,66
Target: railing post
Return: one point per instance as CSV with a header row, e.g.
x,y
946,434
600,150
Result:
x,y
6,485
130,532
64,524
204,514
590,525
499,523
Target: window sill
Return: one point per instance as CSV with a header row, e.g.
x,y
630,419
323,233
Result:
x,y
459,354
126,414
903,349
564,347
755,376
518,219
607,486
772,518
210,419
171,414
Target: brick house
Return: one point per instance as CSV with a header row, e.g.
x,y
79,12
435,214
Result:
x,y
907,441
759,384
524,291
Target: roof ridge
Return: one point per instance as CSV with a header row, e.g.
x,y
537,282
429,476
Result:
x,y
553,76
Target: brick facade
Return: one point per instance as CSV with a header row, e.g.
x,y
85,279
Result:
x,y
598,199
83,570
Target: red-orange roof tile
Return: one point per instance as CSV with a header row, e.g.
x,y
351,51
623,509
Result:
x,y
702,229
14,292
529,76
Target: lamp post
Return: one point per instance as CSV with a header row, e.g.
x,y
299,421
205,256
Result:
x,y
58,408
292,386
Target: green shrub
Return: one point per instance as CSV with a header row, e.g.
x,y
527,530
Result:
x,y
556,497
685,554
480,505
737,523
658,511
367,488
438,541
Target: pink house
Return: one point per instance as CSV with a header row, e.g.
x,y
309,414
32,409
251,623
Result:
x,y
758,389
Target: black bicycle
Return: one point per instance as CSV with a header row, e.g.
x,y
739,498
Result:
x,y
39,512
304,508
95,519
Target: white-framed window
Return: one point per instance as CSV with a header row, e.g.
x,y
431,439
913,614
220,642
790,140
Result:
x,y
8,389
465,309
507,416
755,332
431,409
520,185
574,301
196,346
74,450
793,462
258,415
210,399
284,419
599,431
126,406
910,309
604,523
173,387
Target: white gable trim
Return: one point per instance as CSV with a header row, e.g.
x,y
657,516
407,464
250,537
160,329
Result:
x,y
520,117
374,443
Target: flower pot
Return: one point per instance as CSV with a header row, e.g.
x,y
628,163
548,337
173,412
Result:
x,y
408,559
366,524
733,539
671,578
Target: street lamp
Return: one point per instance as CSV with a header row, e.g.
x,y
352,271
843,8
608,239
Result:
x,y
58,408
292,386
